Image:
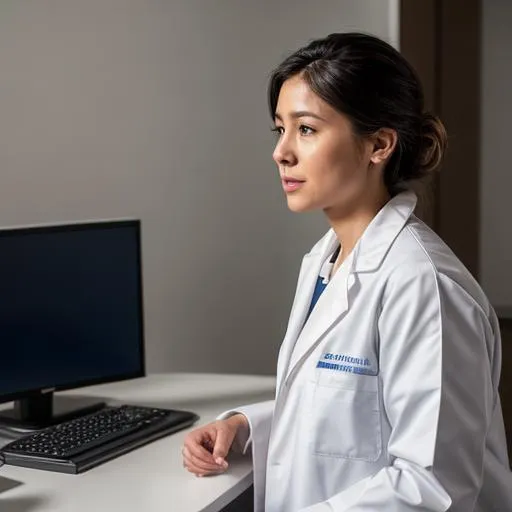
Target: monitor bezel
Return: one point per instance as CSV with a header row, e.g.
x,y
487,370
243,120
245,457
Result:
x,y
82,226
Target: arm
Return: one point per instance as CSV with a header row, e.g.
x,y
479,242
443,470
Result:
x,y
438,397
259,418
205,448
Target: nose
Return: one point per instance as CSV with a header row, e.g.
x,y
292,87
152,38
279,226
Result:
x,y
283,154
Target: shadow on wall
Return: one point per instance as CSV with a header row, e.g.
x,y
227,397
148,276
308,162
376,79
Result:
x,y
506,379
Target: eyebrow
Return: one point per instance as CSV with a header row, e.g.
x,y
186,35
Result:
x,y
300,113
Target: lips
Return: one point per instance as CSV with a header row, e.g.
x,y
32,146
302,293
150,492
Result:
x,y
291,184
289,179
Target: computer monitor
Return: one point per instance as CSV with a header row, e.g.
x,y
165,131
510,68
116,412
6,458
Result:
x,y
71,313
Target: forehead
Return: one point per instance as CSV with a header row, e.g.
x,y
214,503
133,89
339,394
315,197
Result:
x,y
296,95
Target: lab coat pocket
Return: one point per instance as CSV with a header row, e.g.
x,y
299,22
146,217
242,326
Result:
x,y
345,420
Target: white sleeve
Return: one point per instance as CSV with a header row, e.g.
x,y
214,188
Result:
x,y
259,417
435,350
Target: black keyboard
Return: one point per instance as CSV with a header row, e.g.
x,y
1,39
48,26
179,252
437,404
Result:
x,y
82,443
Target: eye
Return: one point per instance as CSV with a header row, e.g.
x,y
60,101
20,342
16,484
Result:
x,y
279,130
306,130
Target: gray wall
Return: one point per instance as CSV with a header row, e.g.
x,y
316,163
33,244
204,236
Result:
x,y
496,173
156,109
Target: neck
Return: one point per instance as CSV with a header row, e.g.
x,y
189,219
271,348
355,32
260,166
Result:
x,y
349,225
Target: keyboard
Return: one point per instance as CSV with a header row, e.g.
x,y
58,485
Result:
x,y
77,445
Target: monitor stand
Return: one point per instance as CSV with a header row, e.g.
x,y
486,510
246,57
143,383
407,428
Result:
x,y
39,410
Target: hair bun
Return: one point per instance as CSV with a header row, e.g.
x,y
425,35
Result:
x,y
434,140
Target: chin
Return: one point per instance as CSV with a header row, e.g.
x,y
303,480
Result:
x,y
297,206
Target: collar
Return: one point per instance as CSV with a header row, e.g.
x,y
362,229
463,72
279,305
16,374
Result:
x,y
379,235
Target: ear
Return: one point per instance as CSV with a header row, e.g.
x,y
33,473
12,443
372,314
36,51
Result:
x,y
384,143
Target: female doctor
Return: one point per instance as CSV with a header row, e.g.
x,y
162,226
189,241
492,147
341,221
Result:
x,y
387,378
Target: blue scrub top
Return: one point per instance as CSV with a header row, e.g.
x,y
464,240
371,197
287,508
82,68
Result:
x,y
321,284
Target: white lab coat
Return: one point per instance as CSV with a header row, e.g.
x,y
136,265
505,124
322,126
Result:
x,y
387,397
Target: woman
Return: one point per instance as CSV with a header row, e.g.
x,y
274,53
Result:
x,y
387,379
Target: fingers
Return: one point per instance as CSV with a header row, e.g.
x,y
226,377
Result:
x,y
200,448
197,451
198,466
223,443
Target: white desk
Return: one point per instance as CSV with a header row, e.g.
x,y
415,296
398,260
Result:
x,y
150,478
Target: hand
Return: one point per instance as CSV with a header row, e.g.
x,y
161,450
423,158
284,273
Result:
x,y
205,448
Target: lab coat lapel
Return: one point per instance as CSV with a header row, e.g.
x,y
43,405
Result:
x,y
334,302
311,264
331,305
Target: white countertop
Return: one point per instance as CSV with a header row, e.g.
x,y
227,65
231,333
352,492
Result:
x,y
150,478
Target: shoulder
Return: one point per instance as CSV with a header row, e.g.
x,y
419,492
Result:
x,y
419,256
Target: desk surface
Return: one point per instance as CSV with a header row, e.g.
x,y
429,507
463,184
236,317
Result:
x,y
150,478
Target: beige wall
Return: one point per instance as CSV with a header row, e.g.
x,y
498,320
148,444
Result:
x,y
156,109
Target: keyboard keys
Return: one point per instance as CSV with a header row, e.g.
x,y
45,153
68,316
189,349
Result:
x,y
72,437
83,443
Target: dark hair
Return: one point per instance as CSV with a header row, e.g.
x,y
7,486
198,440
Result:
x,y
368,80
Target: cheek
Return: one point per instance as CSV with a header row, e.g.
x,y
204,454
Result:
x,y
340,163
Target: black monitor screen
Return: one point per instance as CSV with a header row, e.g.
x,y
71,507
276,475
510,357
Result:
x,y
70,306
